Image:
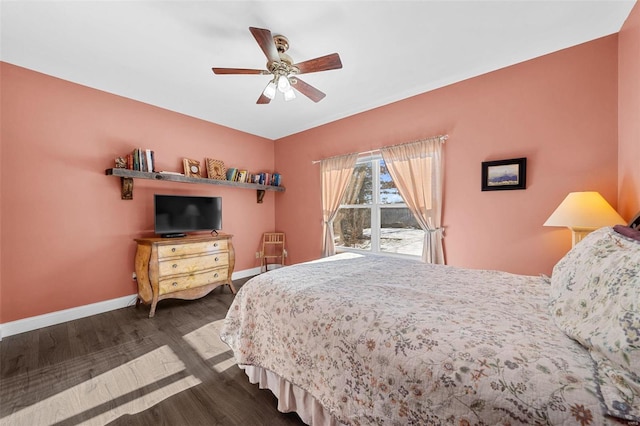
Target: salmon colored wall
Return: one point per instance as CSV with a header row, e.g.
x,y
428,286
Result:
x,y
629,115
1,138
67,237
559,111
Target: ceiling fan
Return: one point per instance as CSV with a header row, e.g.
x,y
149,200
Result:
x,y
285,72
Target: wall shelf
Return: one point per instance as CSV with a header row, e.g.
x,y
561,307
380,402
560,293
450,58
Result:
x,y
127,176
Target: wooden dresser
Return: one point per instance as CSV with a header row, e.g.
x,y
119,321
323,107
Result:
x,y
182,268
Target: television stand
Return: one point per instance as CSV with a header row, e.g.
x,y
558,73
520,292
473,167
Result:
x,y
182,268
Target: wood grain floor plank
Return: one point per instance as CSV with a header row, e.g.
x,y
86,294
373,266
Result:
x,y
19,357
53,345
124,368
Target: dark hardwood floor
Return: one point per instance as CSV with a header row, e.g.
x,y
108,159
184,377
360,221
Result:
x,y
123,368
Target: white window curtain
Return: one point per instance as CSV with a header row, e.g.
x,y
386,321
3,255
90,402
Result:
x,y
417,169
335,174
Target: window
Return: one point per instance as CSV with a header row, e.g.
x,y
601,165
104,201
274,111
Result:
x,y
373,216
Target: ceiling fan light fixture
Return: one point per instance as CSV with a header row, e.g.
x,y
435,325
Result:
x,y
270,90
283,84
289,94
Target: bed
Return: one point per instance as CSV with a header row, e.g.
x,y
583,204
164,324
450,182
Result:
x,y
372,340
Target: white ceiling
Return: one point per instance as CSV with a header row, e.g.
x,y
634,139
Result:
x,y
161,52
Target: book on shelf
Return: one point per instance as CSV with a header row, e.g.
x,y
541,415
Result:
x,y
148,162
142,160
269,179
232,173
136,160
242,176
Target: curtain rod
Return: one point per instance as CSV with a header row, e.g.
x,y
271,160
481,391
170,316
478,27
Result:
x,y
441,138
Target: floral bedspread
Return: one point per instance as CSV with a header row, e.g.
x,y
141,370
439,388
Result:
x,y
391,341
595,299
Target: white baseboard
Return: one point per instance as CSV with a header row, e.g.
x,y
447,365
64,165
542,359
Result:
x,y
245,273
32,323
53,318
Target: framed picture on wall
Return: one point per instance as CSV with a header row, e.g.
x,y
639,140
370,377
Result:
x,y
504,174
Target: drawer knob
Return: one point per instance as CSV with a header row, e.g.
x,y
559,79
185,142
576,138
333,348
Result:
x,y
173,249
217,258
215,275
175,265
175,284
215,244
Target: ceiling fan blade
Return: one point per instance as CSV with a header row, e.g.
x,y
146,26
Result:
x,y
308,90
265,41
323,63
239,71
263,99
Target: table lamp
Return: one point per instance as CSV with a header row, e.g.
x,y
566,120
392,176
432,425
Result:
x,y
584,212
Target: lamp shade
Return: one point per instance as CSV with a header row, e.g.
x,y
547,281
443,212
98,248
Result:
x,y
584,210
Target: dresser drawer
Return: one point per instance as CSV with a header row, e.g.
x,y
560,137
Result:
x,y
185,282
178,250
187,265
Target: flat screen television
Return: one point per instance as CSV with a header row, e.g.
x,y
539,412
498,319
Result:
x,y
175,215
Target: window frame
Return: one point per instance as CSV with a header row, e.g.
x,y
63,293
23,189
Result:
x,y
375,208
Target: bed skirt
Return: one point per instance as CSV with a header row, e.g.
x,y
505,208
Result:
x,y
291,398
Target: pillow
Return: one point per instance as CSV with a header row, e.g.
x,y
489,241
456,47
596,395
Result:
x,y
628,232
595,299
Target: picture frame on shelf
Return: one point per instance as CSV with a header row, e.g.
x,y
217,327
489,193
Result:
x,y
191,167
504,174
215,169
